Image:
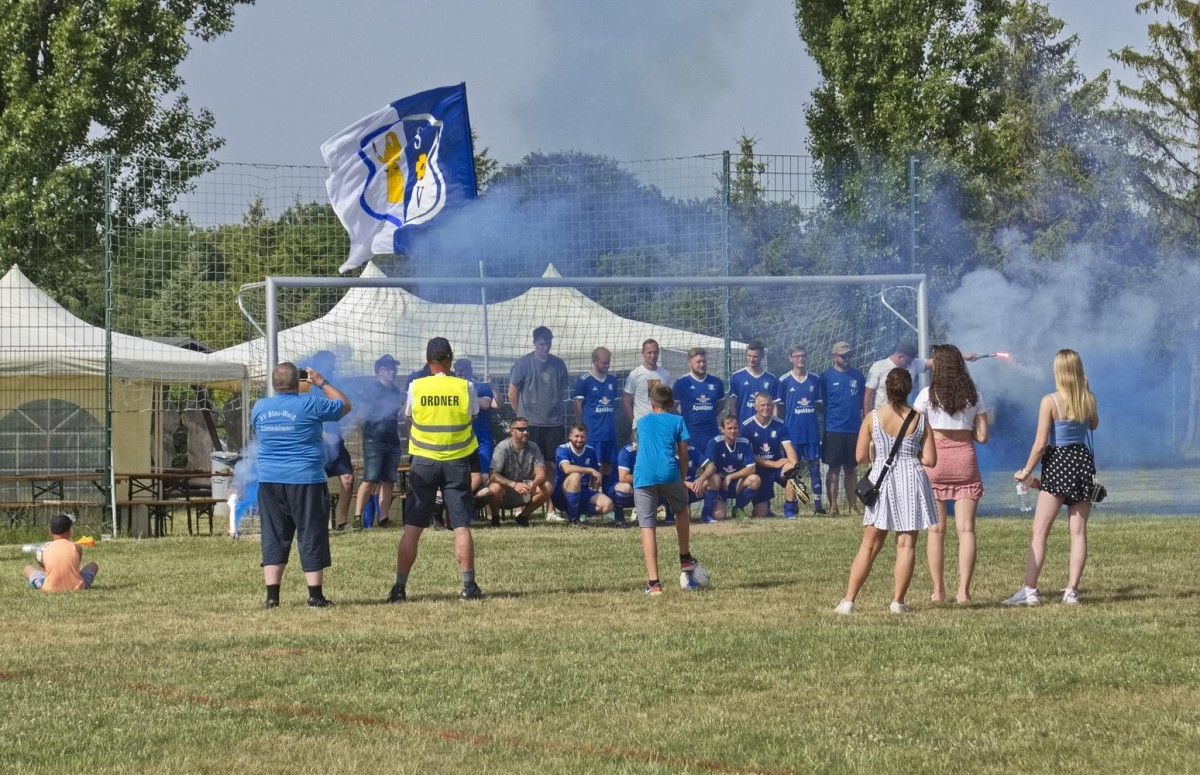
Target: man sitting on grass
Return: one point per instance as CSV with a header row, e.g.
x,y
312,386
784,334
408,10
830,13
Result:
x,y
59,560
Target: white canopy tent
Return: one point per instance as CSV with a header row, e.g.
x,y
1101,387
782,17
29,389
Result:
x,y
369,322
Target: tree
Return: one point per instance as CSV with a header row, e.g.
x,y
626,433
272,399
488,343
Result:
x,y
485,166
1164,111
82,81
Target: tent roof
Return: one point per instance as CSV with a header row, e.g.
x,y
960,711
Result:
x,y
368,322
38,337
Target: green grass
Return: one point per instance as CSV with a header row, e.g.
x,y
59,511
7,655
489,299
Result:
x,y
169,664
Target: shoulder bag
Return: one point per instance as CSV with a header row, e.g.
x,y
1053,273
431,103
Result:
x,y
868,491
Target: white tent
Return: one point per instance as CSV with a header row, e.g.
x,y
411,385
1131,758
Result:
x,y
49,355
369,322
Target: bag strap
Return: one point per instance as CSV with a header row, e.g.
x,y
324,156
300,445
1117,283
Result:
x,y
887,466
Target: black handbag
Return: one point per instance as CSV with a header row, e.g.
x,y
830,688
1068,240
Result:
x,y
868,491
1099,491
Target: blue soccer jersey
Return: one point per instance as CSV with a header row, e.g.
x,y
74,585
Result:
x,y
586,459
483,421
843,399
743,386
766,440
698,401
599,397
627,457
800,399
726,459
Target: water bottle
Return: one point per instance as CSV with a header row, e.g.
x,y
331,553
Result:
x,y
1023,498
29,548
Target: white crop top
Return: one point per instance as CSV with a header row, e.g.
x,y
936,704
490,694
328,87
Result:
x,y
940,420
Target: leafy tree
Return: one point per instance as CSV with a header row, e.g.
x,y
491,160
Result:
x,y
80,80
485,166
1164,110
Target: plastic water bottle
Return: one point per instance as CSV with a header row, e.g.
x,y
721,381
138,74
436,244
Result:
x,y
1023,498
29,548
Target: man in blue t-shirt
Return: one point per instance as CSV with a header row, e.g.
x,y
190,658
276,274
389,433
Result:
x,y
746,383
659,473
800,391
596,402
843,387
699,396
729,464
293,499
577,479
773,452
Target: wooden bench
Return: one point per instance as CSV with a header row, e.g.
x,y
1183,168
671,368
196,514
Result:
x,y
14,509
162,510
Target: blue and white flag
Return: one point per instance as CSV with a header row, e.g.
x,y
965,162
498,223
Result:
x,y
398,168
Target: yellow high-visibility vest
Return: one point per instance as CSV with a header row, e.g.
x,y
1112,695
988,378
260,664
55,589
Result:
x,y
441,418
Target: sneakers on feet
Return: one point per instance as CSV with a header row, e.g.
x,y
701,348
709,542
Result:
x,y
844,608
271,602
688,565
383,522
576,523
789,510
471,592
554,516
821,511
319,602
1070,596
522,520
899,608
397,595
1023,596
620,522
652,589
708,519
740,514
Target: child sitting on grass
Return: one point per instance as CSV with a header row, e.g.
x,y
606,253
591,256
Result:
x,y
60,571
658,474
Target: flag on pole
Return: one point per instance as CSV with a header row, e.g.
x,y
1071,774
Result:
x,y
397,168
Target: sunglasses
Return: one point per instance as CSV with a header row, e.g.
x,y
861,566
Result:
x,y
521,430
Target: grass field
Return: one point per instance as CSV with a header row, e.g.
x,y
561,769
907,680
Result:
x,y
170,664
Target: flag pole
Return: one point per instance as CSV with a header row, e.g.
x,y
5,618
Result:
x,y
487,344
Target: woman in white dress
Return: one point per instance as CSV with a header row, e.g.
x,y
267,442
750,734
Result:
x,y
905,504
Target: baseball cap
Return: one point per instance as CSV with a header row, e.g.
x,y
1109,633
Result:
x,y
438,349
907,349
386,362
61,523
842,348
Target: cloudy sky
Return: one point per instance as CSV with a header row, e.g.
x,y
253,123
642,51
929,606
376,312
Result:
x,y
631,79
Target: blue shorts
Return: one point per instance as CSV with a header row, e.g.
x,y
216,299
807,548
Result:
x,y
810,451
559,499
380,461
606,451
485,457
766,490
38,578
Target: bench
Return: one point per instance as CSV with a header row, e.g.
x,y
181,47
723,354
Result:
x,y
162,510
13,510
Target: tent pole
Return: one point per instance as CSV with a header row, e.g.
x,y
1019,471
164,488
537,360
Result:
x,y
487,344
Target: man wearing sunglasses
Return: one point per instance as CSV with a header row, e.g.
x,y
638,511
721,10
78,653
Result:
x,y
518,475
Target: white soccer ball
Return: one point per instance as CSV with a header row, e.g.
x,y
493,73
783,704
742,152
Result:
x,y
699,578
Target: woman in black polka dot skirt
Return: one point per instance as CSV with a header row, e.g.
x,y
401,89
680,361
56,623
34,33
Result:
x,y
1068,473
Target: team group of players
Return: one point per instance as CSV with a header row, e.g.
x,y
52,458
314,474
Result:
x,y
740,441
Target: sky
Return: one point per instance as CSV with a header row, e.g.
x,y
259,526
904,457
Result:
x,y
630,79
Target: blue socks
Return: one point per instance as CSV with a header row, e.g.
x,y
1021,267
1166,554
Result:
x,y
573,499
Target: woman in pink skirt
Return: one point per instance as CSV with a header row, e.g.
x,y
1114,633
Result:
x,y
958,416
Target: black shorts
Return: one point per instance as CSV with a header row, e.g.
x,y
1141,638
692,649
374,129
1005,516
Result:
x,y
340,465
295,510
453,478
547,437
838,449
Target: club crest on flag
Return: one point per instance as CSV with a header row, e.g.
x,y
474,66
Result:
x,y
398,168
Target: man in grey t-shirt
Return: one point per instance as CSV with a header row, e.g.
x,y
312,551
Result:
x,y
537,387
518,476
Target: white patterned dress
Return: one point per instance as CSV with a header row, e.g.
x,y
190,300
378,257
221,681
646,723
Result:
x,y
905,498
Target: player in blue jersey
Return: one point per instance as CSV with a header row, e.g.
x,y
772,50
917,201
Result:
x,y
482,425
620,492
597,396
773,451
728,464
577,478
800,392
699,396
699,483
746,383
843,387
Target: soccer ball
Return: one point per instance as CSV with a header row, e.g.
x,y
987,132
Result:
x,y
699,578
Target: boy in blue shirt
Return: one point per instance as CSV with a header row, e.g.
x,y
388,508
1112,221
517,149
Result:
x,y
662,462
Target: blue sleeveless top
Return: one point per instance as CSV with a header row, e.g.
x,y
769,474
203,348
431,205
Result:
x,y
1066,432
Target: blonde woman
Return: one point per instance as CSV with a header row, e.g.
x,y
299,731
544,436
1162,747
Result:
x,y
905,504
1068,473
957,415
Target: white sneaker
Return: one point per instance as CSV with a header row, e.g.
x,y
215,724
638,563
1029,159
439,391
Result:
x,y
554,516
845,608
1023,596
1071,596
899,608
